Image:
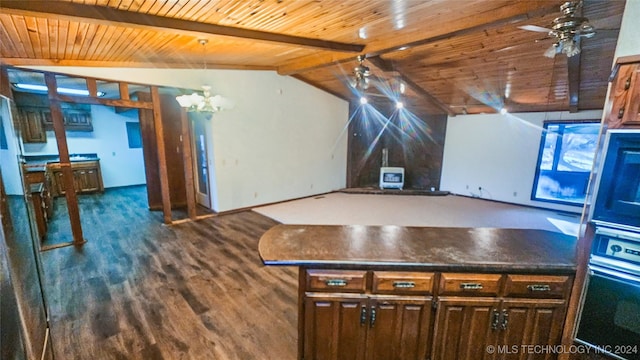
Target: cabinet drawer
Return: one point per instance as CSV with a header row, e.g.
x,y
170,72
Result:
x,y
470,284
537,286
336,280
402,282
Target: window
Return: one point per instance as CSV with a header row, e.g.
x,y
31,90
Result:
x,y
564,161
133,135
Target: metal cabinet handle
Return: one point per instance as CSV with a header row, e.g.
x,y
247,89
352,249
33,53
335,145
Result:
x,y
627,84
621,112
373,317
538,287
471,286
363,315
505,320
336,282
495,319
404,284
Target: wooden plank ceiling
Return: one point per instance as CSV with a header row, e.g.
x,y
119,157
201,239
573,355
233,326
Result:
x,y
455,56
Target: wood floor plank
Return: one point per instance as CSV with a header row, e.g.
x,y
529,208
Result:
x,y
142,290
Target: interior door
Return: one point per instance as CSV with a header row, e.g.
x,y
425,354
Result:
x,y
200,161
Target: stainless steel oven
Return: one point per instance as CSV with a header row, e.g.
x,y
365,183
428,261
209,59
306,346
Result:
x,y
610,317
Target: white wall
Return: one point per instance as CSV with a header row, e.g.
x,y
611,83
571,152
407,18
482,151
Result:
x,y
628,39
9,157
284,139
120,165
498,153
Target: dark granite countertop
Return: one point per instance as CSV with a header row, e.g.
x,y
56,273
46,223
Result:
x,y
427,248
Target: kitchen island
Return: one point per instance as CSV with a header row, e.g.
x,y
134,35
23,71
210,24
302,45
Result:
x,y
392,292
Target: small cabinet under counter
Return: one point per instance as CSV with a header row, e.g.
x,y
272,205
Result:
x,y
87,177
423,292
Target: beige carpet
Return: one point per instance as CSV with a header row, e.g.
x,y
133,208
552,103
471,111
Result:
x,y
444,211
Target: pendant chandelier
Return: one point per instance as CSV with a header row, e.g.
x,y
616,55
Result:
x,y
205,102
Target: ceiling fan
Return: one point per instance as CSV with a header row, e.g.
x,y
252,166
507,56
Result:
x,y
567,30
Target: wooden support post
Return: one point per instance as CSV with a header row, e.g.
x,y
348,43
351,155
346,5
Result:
x,y
188,165
65,163
162,158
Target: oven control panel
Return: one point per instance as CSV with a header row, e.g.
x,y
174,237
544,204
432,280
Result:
x,y
623,250
617,244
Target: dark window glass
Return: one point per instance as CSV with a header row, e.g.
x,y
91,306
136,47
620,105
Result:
x,y
3,136
564,161
133,135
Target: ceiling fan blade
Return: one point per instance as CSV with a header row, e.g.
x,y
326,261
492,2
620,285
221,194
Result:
x,y
534,28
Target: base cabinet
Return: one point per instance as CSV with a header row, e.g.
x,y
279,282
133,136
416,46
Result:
x,y
464,328
335,327
469,329
395,315
379,315
87,178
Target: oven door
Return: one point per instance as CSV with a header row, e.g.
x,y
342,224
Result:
x,y
610,319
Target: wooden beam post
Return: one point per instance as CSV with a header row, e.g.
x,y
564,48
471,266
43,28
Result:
x,y
162,159
65,163
573,74
188,165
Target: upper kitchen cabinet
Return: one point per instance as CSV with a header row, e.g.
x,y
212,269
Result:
x,y
625,97
32,124
35,116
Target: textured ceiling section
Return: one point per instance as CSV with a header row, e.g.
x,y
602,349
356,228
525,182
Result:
x,y
453,57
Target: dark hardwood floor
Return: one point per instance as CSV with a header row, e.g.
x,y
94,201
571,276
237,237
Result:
x,y
142,290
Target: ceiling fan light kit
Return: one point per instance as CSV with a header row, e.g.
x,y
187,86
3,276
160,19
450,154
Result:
x,y
567,29
361,74
205,102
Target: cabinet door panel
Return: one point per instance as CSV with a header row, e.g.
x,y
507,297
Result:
x,y
463,328
334,329
531,322
32,127
400,330
632,112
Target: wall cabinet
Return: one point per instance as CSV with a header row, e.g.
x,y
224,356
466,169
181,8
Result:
x,y
87,178
625,97
366,315
32,124
35,121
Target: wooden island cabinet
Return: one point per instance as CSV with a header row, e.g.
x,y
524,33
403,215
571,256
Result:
x,y
404,293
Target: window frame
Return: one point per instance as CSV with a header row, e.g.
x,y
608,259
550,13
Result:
x,y
556,159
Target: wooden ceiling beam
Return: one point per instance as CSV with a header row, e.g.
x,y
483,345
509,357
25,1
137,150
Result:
x,y
112,16
573,71
149,63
